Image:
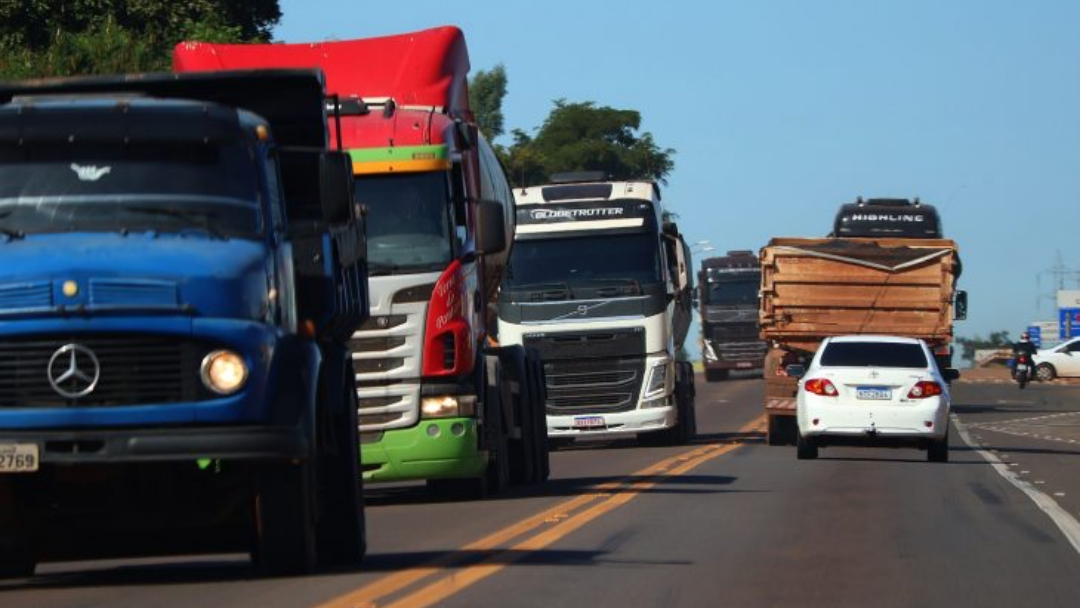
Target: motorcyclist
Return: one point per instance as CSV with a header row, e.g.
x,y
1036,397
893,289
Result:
x,y
1024,347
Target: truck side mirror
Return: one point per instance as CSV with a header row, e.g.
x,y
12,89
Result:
x,y
336,186
950,374
795,370
960,306
490,227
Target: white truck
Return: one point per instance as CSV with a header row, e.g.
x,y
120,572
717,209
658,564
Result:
x,y
599,284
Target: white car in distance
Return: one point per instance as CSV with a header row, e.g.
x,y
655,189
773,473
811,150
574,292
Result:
x,y
1061,360
873,391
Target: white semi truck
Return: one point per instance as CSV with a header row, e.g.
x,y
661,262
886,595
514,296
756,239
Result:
x,y
599,283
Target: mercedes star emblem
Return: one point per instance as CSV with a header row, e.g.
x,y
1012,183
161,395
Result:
x,y
74,371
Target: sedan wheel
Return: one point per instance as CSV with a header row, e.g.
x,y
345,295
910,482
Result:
x,y
1045,372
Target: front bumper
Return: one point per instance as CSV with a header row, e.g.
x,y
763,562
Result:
x,y
258,443
433,449
636,421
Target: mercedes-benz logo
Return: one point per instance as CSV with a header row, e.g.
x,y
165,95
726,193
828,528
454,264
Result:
x,y
74,371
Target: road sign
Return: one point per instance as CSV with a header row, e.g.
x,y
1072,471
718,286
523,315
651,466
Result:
x,y
1068,323
1035,334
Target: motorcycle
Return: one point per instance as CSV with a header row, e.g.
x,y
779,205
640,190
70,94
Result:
x,y
1023,370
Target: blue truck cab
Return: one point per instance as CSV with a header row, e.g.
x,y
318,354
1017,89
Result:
x,y
181,265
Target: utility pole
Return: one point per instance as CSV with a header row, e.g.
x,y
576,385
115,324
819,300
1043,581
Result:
x,y
1058,273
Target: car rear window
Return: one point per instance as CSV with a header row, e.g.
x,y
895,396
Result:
x,y
873,354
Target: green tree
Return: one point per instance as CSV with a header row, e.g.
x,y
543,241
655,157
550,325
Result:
x,y
997,339
39,38
487,89
585,137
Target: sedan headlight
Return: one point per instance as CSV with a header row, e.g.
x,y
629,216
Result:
x,y
448,406
223,372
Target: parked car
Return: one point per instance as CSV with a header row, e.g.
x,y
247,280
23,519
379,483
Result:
x,y
874,391
1062,360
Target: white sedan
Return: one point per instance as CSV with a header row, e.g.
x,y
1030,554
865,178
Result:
x,y
874,390
1062,360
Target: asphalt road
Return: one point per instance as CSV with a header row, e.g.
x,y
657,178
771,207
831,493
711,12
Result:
x,y
726,521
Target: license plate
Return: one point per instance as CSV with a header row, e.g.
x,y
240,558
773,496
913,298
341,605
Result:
x,y
874,393
588,422
1021,367
18,457
742,364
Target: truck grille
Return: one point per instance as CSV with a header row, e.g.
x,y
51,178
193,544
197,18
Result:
x,y
593,385
596,371
133,371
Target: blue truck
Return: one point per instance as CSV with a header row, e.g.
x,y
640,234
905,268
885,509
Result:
x,y
181,266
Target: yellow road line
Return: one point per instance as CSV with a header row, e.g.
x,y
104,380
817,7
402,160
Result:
x,y
561,524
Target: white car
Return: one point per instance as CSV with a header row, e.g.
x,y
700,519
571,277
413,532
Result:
x,y
1062,360
874,390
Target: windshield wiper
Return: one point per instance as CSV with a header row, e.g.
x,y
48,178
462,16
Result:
x,y
546,291
199,219
636,284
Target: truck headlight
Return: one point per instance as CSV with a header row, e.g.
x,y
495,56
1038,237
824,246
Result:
x,y
223,372
657,379
448,406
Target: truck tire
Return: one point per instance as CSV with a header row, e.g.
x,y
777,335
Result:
x,y
539,411
522,450
495,434
782,430
716,375
17,556
341,528
286,520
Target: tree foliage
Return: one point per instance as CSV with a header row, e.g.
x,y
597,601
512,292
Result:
x,y
49,38
486,92
997,339
583,136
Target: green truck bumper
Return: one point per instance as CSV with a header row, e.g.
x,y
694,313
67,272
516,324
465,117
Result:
x,y
434,449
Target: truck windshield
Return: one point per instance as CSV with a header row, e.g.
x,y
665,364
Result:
x,y
585,261
733,292
104,187
408,222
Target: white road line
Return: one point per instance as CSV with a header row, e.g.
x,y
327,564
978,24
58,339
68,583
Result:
x,y
1061,518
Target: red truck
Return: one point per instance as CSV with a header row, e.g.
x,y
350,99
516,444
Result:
x,y
438,399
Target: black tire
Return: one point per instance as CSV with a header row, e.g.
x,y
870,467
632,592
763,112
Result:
x,y
341,534
497,473
17,556
805,449
1021,379
716,375
782,430
938,451
539,413
523,450
1044,372
467,488
286,518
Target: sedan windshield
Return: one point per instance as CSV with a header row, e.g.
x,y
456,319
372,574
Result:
x,y
873,354
104,186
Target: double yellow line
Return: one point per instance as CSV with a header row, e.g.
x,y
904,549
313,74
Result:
x,y
549,526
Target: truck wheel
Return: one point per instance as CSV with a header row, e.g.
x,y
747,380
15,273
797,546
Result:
x,y
782,430
498,469
522,450
539,412
716,375
468,488
341,528
17,555
286,526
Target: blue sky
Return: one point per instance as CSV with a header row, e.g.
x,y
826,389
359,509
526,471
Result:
x,y
782,110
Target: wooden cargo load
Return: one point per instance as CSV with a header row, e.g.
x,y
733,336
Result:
x,y
812,288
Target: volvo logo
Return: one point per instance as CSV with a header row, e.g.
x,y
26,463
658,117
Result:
x,y
74,371
582,310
